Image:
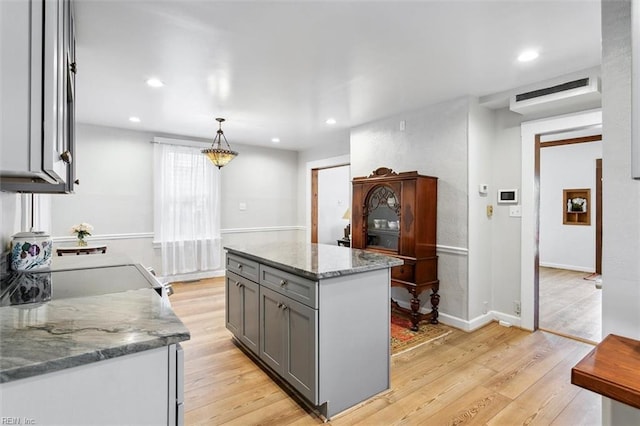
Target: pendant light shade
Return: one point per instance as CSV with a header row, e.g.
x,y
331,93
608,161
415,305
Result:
x,y
218,154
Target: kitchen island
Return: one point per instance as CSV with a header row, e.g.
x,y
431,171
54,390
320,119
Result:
x,y
318,316
92,341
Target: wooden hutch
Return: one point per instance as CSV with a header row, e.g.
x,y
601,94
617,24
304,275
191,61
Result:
x,y
395,214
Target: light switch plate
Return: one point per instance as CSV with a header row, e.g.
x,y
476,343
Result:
x,y
515,211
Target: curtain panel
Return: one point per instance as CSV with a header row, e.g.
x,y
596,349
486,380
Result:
x,y
186,210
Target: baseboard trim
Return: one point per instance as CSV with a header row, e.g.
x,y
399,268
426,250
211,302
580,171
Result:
x,y
479,321
193,276
568,267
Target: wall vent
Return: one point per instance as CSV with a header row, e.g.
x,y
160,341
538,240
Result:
x,y
572,94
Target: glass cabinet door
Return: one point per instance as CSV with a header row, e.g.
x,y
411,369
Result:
x,y
383,221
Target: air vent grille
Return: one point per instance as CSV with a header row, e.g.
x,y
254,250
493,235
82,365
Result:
x,y
583,82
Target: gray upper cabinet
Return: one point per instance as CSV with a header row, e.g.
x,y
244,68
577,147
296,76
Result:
x,y
37,96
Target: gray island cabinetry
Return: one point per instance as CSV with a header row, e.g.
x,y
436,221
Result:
x,y
316,315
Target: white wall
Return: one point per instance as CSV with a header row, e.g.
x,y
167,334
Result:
x,y
265,181
115,195
505,247
333,152
9,217
334,198
434,143
481,135
621,194
567,167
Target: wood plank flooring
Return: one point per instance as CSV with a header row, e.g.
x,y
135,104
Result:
x,y
569,304
495,376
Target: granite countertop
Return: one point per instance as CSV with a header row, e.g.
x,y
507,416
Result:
x,y
39,338
315,261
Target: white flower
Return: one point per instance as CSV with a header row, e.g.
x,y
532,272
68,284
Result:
x,y
82,229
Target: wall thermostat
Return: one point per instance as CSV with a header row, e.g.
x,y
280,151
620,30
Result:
x,y
507,196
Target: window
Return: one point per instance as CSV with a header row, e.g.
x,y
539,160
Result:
x,y
186,209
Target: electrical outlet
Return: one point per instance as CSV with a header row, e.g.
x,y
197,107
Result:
x,y
485,307
516,307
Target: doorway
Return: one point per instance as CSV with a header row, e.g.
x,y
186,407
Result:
x,y
530,198
570,234
330,204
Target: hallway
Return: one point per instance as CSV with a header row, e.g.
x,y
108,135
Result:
x,y
570,305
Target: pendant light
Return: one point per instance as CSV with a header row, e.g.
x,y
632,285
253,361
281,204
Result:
x,y
219,155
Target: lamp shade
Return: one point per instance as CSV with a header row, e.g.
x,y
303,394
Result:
x,y
220,156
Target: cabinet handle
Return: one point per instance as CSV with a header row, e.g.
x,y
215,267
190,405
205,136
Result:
x,y
282,306
237,284
239,266
66,157
283,283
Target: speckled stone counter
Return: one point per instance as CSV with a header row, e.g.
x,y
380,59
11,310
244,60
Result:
x,y
45,337
315,261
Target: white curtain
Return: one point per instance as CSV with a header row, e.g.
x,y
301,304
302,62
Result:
x,y
186,209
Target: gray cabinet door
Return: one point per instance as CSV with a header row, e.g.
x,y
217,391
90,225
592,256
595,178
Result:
x,y
301,366
289,341
233,295
272,329
242,314
250,331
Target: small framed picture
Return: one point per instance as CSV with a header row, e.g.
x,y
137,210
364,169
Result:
x,y
507,196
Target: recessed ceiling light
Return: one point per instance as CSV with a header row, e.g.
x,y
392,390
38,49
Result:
x,y
134,119
275,140
331,121
528,55
155,82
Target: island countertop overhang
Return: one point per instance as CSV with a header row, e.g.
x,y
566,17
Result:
x,y
315,261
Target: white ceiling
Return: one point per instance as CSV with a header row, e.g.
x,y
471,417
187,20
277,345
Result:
x,y
281,68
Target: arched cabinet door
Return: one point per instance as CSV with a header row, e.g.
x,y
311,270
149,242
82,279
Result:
x,y
382,217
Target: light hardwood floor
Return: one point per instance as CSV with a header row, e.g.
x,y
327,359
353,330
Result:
x,y
495,376
569,304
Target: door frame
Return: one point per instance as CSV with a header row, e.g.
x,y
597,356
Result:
x,y
530,198
341,160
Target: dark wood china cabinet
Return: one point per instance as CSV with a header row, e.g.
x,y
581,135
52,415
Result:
x,y
395,214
